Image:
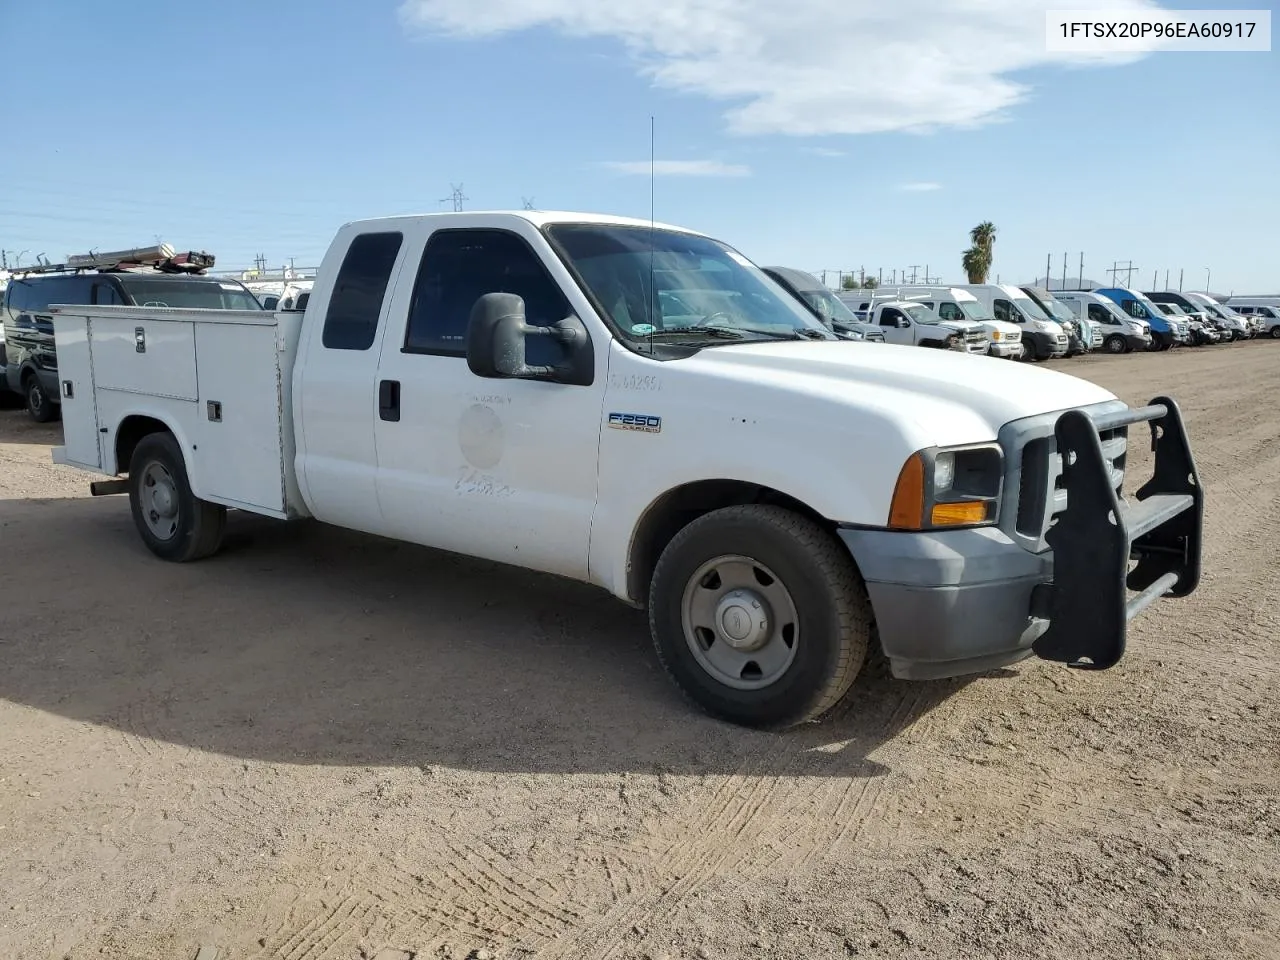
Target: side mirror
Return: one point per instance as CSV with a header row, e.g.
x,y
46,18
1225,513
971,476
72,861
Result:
x,y
903,323
496,335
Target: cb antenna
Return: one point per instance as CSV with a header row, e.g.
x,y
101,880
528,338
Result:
x,y
653,294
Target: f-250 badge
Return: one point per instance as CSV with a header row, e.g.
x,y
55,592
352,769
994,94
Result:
x,y
642,422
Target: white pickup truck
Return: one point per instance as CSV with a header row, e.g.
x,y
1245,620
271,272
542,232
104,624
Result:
x,y
640,407
914,324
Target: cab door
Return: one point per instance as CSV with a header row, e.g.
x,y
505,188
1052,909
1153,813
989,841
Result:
x,y
896,326
337,388
504,469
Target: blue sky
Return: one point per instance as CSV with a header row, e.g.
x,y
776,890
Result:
x,y
259,128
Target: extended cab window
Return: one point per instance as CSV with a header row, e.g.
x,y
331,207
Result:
x,y
351,322
461,266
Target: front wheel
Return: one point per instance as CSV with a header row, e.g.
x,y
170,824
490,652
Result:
x,y
1115,344
174,523
39,407
760,616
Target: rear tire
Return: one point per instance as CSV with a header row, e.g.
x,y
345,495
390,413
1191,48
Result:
x,y
1275,333
760,616
39,407
173,522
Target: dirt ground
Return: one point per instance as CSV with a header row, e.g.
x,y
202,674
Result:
x,y
325,746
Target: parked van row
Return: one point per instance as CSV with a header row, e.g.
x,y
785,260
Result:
x,y
1034,323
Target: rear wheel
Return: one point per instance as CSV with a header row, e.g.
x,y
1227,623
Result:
x,y
1275,333
759,615
39,407
174,523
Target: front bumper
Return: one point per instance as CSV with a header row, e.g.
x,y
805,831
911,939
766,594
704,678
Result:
x,y
1137,341
954,602
1005,348
1047,344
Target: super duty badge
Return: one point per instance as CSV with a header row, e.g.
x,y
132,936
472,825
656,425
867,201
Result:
x,y
635,421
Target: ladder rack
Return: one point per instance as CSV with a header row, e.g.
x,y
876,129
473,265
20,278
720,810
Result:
x,y
161,257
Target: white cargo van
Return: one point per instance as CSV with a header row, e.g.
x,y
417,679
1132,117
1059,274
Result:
x,y
1121,333
640,407
1042,338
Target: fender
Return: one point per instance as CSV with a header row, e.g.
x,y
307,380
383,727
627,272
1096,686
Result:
x,y
184,442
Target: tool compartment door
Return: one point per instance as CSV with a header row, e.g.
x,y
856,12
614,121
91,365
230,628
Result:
x,y
72,341
152,357
238,431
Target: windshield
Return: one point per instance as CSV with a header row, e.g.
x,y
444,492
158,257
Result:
x,y
829,307
1113,308
975,311
648,281
1030,308
207,294
1059,310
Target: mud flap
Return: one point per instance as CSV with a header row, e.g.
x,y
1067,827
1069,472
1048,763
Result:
x,y
1095,538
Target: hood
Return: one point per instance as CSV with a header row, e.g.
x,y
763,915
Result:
x,y
950,395
959,325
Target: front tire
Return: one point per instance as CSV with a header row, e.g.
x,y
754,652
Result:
x,y
173,522
39,407
760,616
1115,344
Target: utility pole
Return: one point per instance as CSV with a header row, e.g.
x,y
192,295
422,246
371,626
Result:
x,y
1166,278
528,202
1206,279
1048,268
880,278
914,268
1064,271
1081,282
1155,277
1180,272
4,260
456,197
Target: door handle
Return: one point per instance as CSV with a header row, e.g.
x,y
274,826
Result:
x,y
389,400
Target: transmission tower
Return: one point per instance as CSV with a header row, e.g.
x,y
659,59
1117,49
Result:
x,y
528,203
456,197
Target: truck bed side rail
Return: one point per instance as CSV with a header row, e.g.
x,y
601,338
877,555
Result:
x,y
1096,536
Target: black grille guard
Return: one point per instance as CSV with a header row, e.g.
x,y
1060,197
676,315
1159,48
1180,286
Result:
x,y
1093,540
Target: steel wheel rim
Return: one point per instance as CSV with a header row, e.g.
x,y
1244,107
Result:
x,y
159,501
1115,345
35,397
740,622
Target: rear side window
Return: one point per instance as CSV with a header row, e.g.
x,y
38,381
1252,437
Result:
x,y
352,320
269,303
105,295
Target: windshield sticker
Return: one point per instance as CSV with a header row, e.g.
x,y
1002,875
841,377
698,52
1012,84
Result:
x,y
641,422
644,329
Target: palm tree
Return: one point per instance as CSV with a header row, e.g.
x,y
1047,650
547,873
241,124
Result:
x,y
977,260
976,263
984,235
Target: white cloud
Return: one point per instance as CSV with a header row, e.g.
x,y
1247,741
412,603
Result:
x,y
919,186
824,152
679,168
807,67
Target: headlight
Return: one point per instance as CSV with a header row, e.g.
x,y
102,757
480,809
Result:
x,y
995,334
854,335
945,487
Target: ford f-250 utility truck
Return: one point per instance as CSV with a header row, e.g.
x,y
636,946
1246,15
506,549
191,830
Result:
x,y
640,407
